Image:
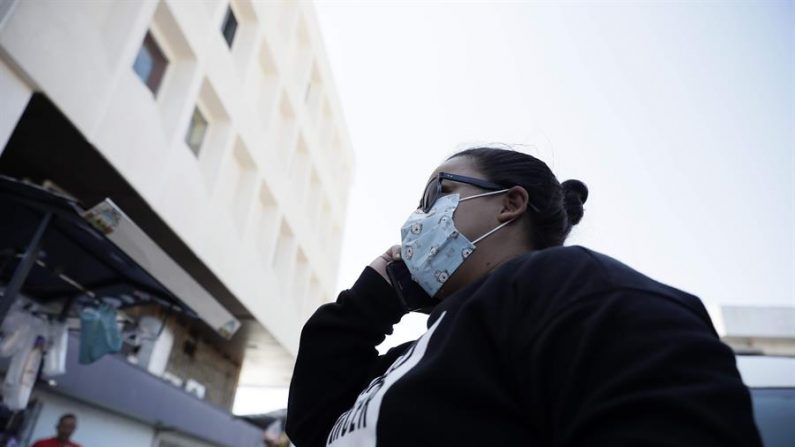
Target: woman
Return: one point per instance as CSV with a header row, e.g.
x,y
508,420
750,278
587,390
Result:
x,y
531,343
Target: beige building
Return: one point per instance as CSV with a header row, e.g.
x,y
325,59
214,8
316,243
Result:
x,y
215,126
756,330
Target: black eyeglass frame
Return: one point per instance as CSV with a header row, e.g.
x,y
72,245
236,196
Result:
x,y
430,196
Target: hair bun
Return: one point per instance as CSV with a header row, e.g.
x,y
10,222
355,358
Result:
x,y
575,193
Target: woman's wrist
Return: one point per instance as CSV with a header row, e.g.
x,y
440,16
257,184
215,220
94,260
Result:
x,y
376,290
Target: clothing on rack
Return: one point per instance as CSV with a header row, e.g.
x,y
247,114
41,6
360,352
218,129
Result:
x,y
99,333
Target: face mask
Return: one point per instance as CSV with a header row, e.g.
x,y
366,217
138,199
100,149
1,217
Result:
x,y
432,247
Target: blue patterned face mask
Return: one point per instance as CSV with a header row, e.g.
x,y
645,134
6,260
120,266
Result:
x,y
432,247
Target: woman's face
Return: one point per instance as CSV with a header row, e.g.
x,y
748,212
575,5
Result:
x,y
476,217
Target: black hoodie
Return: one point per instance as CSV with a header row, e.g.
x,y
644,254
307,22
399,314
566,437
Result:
x,y
557,347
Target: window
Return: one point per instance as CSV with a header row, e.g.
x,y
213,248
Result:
x,y
230,27
151,63
196,131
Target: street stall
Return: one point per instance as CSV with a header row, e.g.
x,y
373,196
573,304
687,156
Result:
x,y
71,281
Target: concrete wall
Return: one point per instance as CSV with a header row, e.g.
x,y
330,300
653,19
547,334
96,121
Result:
x,y
762,345
263,203
167,439
15,94
756,329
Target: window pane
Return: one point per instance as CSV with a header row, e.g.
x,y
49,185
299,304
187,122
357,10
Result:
x,y
143,64
150,64
196,131
230,27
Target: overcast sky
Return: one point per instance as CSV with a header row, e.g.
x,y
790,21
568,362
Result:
x,y
680,117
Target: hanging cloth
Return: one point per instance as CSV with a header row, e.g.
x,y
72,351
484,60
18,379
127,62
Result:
x,y
57,346
24,367
99,333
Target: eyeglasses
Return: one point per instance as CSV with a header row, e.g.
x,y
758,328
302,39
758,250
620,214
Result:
x,y
434,189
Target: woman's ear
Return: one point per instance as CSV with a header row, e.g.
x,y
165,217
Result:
x,y
514,204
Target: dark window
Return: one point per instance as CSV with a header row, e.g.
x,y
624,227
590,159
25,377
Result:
x,y
151,63
230,27
196,131
189,348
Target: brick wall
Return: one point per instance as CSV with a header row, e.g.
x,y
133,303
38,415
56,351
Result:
x,y
193,358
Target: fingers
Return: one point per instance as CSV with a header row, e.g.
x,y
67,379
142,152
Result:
x,y
392,254
380,263
395,252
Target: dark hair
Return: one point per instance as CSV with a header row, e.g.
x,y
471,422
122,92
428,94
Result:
x,y
66,416
559,205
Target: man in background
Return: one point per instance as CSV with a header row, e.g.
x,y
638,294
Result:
x,y
67,425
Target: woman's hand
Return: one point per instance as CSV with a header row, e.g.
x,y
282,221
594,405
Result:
x,y
380,263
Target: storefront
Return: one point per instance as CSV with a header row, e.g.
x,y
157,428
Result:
x,y
77,332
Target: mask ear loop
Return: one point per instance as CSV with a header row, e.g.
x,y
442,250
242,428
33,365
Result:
x,y
490,193
492,231
485,194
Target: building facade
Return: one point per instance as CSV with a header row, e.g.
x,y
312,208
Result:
x,y
756,330
215,126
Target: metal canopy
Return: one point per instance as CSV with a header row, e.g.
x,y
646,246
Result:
x,y
49,252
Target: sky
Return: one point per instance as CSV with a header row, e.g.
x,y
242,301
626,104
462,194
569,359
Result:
x,y
680,118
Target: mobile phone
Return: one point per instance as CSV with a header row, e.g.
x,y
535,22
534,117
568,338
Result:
x,y
414,298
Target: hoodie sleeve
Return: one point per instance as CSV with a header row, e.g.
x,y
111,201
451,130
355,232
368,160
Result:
x,y
337,356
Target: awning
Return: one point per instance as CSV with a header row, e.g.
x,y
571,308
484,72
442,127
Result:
x,y
51,250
